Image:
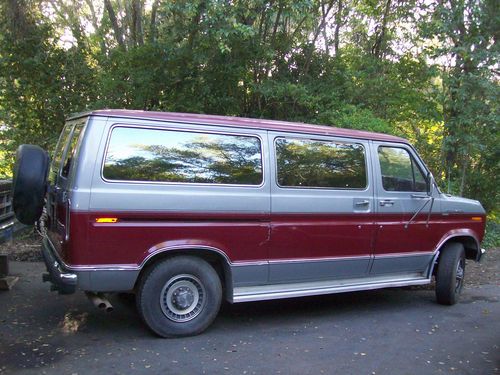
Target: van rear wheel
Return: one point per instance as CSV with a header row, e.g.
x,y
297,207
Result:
x,y
450,274
179,296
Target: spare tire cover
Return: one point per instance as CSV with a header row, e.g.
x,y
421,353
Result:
x,y
29,183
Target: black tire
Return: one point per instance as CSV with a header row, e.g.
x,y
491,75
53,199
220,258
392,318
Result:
x,y
179,296
29,183
450,274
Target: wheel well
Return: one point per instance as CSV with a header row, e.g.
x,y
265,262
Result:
x,y
470,247
216,260
469,243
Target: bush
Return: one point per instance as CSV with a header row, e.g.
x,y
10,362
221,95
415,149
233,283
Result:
x,y
492,238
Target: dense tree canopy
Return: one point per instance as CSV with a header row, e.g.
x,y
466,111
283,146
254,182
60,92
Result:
x,y
423,69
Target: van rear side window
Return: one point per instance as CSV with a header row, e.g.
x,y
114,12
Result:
x,y
71,151
138,154
320,164
56,160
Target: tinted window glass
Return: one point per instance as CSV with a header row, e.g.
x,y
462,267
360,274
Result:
x,y
70,153
56,160
399,170
174,156
311,163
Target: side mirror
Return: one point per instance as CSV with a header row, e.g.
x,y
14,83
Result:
x,y
428,182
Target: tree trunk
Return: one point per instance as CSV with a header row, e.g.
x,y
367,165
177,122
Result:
x,y
195,22
456,128
338,23
465,162
137,22
152,25
114,23
272,42
380,39
95,24
276,23
325,36
321,25
19,22
68,18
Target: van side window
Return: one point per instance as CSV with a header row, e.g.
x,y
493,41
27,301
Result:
x,y
70,153
136,154
58,154
399,170
320,164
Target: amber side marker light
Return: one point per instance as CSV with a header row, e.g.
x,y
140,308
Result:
x,y
477,218
106,220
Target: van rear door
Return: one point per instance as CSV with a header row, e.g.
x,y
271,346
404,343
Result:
x,y
60,181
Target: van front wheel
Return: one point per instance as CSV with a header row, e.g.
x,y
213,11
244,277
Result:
x,y
180,296
450,274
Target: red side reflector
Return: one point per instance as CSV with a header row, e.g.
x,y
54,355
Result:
x,y
106,220
477,218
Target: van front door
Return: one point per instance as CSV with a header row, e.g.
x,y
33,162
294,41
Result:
x,y
402,207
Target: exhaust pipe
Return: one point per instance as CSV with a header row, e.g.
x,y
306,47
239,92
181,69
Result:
x,y
100,301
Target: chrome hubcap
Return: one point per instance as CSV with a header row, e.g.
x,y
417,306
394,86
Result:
x,y
182,298
459,278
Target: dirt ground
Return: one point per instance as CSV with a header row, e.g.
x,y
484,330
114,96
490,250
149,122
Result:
x,y
26,248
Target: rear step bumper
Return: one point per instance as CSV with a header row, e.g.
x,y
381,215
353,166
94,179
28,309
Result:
x,y
63,281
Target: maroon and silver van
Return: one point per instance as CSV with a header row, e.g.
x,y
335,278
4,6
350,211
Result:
x,y
184,210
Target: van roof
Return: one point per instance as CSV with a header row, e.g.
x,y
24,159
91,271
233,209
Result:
x,y
253,123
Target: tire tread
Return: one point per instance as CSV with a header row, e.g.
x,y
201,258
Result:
x,y
446,273
149,287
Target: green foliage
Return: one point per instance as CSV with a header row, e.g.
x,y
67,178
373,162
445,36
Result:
x,y
40,82
353,117
492,237
424,70
132,79
467,35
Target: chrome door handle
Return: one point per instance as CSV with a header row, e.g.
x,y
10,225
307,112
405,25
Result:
x,y
386,202
420,196
362,203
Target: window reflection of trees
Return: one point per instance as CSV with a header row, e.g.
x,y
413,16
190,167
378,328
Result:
x,y
399,170
305,163
395,162
207,158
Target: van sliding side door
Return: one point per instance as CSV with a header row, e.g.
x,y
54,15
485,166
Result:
x,y
321,208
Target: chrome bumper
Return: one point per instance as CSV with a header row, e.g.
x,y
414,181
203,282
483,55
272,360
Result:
x,y
480,254
7,225
63,281
6,230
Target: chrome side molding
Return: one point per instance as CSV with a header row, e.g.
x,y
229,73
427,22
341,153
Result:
x,y
276,291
